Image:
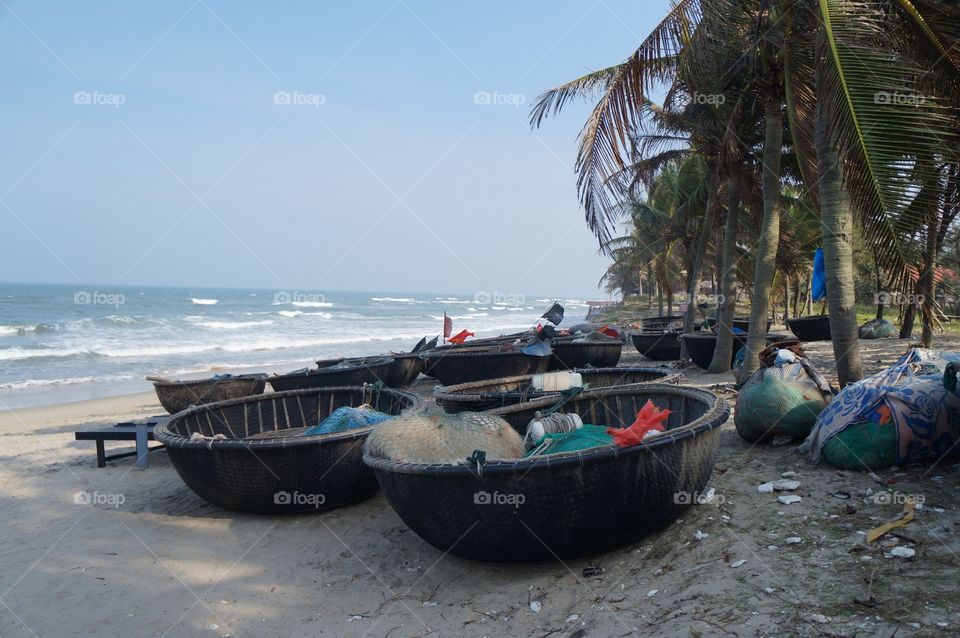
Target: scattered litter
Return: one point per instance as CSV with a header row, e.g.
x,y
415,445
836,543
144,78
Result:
x,y
794,540
652,593
429,603
905,518
700,535
707,497
903,552
352,618
771,547
866,558
778,486
780,440
768,590
592,570
788,474
787,499
535,606
766,488
573,617
820,619
737,563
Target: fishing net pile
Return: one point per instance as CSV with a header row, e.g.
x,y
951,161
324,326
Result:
x,y
909,413
415,437
877,329
783,397
347,418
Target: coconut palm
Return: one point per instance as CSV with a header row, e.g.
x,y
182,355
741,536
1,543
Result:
x,y
871,93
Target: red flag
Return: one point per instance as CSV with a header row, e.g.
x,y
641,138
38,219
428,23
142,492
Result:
x,y
447,326
461,336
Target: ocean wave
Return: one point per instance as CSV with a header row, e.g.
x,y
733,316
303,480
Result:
x,y
394,299
474,315
300,313
312,304
22,354
232,325
204,302
41,383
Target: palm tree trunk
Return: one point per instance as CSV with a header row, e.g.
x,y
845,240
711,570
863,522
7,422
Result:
x,y
724,350
769,239
696,264
927,287
836,226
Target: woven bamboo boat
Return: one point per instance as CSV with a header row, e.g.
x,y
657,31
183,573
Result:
x,y
175,396
812,328
478,396
743,323
659,346
568,353
334,372
404,370
571,504
262,465
460,364
659,323
700,346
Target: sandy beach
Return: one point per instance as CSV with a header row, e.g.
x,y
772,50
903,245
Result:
x,y
150,558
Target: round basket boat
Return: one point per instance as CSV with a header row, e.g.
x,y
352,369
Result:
x,y
659,323
569,353
334,372
175,396
404,370
565,505
461,364
265,464
659,346
700,346
478,396
813,328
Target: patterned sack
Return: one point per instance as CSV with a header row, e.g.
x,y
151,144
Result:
x,y
877,329
901,415
783,398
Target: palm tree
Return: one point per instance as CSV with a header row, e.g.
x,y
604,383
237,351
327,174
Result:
x,y
860,148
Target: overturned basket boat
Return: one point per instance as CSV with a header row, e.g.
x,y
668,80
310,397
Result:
x,y
460,364
251,455
478,396
812,328
334,372
569,353
700,346
175,396
657,345
404,370
570,504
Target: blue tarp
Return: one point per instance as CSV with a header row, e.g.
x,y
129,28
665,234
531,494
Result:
x,y
819,276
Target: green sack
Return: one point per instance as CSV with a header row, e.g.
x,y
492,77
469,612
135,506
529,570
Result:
x,y
583,438
862,446
784,399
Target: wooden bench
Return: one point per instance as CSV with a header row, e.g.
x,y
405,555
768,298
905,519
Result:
x,y
140,431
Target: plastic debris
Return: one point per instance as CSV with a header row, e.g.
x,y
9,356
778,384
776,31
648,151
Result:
x,y
535,606
652,593
737,563
906,517
573,617
698,535
788,499
794,540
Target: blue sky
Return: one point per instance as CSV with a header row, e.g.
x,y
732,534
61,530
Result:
x,y
380,145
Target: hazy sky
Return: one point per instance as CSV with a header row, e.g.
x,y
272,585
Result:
x,y
376,145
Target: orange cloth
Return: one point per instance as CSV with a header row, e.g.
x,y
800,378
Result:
x,y
650,417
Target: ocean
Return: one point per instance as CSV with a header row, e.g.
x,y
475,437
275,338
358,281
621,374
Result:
x,y
70,343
